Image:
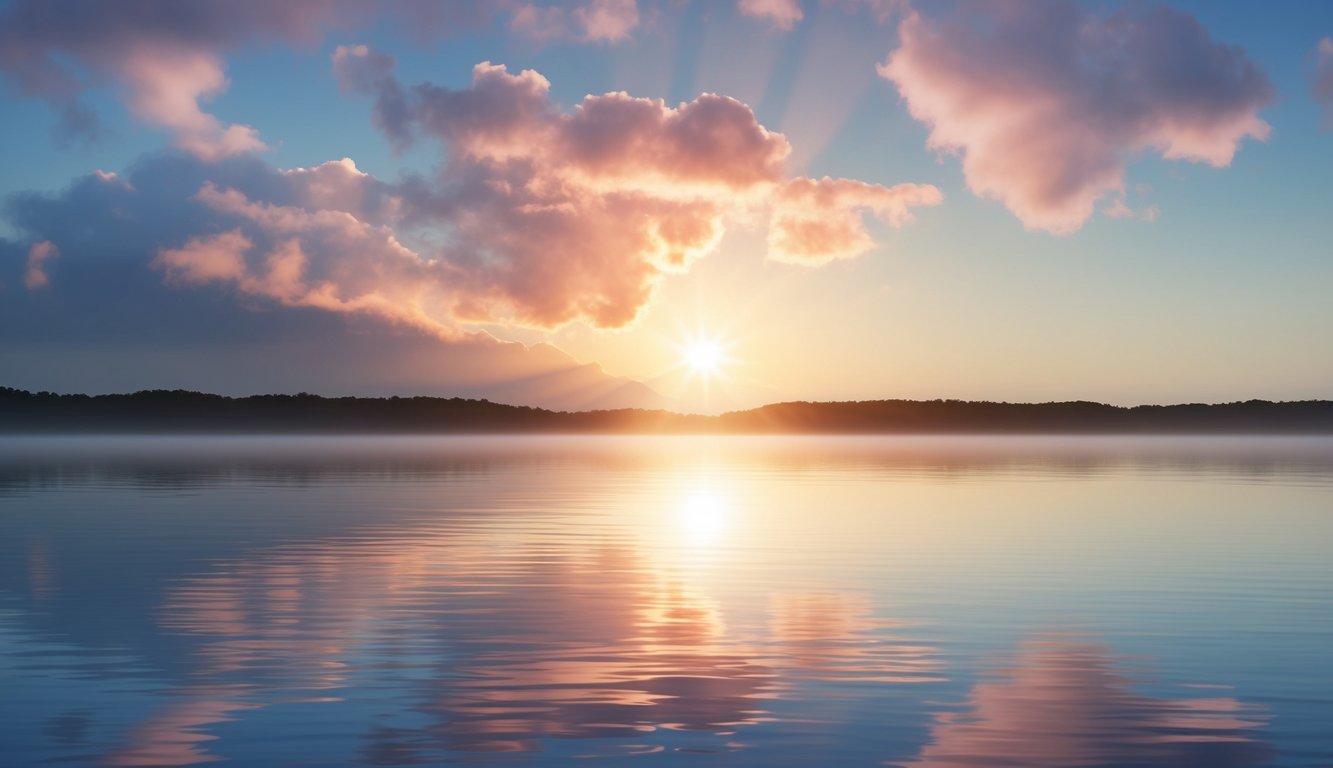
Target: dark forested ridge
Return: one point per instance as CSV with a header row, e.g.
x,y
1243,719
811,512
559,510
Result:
x,y
193,412
178,411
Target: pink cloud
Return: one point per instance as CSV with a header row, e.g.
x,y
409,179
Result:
x,y
164,87
338,185
554,215
1045,103
164,57
35,276
815,222
495,120
326,259
109,228
539,216
712,142
167,57
785,14
605,21
612,139
1323,77
538,22
782,14
218,257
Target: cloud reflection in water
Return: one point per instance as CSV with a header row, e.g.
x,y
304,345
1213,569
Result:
x,y
395,601
1063,703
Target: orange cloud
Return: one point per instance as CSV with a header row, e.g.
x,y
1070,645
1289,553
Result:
x,y
1045,103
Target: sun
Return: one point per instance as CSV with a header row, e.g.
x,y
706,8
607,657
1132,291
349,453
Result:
x,y
704,356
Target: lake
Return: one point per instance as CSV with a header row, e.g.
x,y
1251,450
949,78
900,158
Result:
x,y
936,602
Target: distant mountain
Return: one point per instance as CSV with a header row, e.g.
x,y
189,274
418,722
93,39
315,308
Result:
x,y
180,411
557,382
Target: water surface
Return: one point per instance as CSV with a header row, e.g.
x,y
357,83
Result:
x,y
934,602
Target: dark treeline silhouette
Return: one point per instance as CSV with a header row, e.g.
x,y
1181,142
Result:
x,y
179,411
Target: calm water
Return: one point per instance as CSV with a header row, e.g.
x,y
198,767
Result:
x,y
932,602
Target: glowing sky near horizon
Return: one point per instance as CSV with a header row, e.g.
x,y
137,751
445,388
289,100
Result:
x,y
848,199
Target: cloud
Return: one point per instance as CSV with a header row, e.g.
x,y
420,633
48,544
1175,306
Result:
x,y
110,320
815,222
538,216
785,14
35,276
1323,77
338,185
326,259
607,20
1117,208
555,215
604,21
782,14
164,88
880,10
166,57
1045,103
203,259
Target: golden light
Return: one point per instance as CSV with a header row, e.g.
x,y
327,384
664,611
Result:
x,y
702,516
704,356
703,364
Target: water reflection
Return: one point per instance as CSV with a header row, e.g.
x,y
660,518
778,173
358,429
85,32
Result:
x,y
1063,703
505,646
177,734
424,601
834,636
42,581
703,517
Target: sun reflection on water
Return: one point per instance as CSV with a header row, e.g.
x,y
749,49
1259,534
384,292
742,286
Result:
x,y
708,595
703,518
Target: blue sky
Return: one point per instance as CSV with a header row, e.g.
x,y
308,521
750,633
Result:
x,y
1222,295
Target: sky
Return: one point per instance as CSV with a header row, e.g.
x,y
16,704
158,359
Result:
x,y
695,205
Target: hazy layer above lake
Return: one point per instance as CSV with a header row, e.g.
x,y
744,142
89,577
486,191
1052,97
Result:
x,y
929,601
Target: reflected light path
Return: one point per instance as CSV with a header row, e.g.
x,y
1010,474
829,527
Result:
x,y
703,518
538,602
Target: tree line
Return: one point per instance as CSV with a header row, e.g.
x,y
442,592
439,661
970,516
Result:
x,y
182,411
